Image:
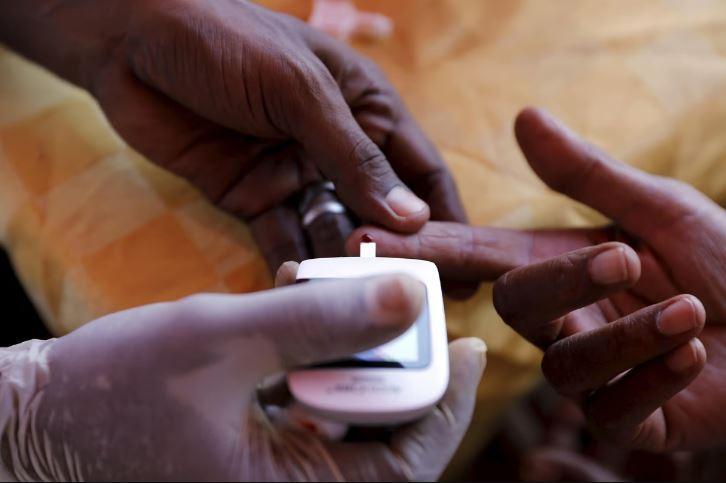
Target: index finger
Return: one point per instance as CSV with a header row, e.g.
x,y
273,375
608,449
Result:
x,y
472,254
532,299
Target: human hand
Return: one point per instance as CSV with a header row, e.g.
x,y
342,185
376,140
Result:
x,y
250,106
169,391
607,305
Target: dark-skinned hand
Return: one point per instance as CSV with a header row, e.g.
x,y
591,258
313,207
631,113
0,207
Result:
x,y
250,106
625,314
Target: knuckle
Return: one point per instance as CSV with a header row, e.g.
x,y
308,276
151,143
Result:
x,y
436,182
172,31
368,159
299,70
311,81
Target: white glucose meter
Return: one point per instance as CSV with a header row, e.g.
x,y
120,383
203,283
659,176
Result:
x,y
395,383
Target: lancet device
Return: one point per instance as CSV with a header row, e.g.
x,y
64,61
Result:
x,y
395,383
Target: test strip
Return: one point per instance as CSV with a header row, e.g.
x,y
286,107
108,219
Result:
x,y
368,250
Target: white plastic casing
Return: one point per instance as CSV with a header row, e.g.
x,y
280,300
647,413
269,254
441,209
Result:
x,y
373,395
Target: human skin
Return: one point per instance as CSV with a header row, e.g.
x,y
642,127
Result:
x,y
170,391
646,295
247,104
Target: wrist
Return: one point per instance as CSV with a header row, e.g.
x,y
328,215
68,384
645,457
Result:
x,y
72,38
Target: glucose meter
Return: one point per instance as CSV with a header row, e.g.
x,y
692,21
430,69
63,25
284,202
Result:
x,y
394,383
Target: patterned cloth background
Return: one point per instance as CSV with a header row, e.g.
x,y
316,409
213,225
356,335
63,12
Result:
x,y
93,228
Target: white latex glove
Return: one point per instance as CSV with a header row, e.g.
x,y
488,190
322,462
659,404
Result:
x,y
168,391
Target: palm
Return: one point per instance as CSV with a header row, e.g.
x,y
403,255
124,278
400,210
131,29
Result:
x,y
250,149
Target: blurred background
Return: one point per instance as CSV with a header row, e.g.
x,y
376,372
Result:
x,y
89,227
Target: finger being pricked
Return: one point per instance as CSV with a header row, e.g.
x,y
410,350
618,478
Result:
x,y
586,361
533,299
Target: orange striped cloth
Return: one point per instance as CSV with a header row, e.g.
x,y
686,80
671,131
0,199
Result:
x,y
93,228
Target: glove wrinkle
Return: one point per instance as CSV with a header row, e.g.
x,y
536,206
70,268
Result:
x,y
27,453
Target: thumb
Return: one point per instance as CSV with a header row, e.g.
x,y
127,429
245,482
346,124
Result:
x,y
311,323
634,199
428,446
363,177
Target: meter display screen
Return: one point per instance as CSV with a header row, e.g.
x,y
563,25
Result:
x,y
412,349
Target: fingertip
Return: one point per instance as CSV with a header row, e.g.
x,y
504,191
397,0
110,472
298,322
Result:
x,y
553,151
395,301
615,264
529,114
469,355
530,120
681,315
687,359
410,212
632,264
699,310
701,353
286,274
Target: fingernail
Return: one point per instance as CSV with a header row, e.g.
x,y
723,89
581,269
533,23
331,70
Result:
x,y
404,203
609,267
479,346
678,318
397,298
685,357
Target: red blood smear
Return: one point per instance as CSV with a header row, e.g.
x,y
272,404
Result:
x,y
366,238
310,426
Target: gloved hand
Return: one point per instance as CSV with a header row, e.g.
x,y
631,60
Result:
x,y
168,391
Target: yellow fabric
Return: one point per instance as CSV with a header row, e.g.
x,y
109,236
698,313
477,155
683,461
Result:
x,y
93,228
